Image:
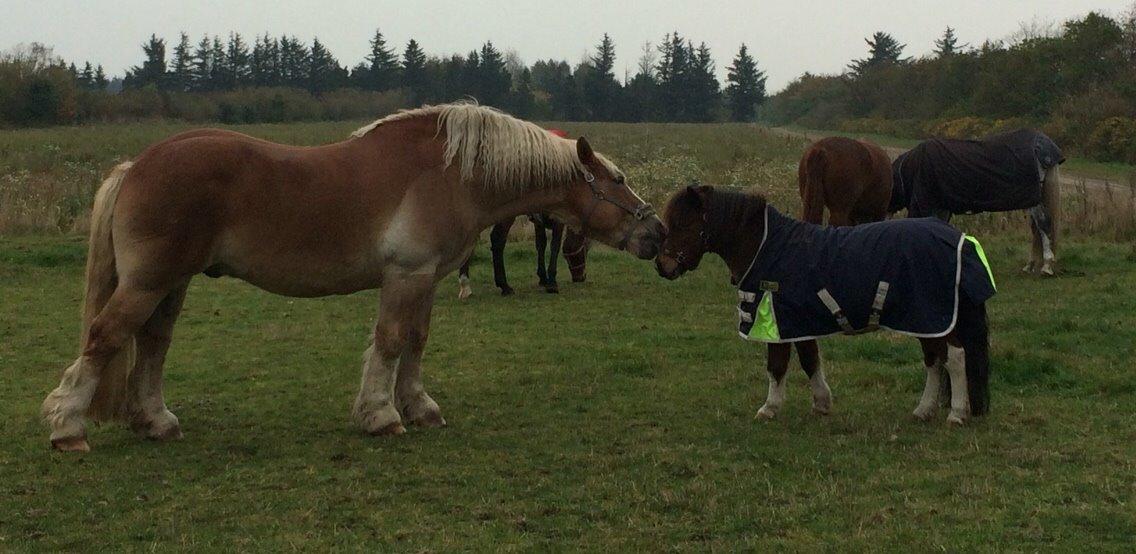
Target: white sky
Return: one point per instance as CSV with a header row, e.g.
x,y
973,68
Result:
x,y
787,37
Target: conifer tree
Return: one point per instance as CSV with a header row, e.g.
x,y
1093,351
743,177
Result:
x,y
746,86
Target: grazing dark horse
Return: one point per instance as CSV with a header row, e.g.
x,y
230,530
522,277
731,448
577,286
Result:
x,y
398,205
799,281
1003,172
575,253
852,178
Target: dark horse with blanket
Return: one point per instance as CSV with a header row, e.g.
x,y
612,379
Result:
x,y
799,281
1003,172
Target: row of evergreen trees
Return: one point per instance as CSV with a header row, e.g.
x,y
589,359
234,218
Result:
x,y
675,80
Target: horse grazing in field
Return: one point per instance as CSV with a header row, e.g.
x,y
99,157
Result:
x,y
799,281
1018,170
852,178
398,205
575,253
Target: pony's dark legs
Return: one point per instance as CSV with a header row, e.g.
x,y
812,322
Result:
x,y
497,239
777,365
541,239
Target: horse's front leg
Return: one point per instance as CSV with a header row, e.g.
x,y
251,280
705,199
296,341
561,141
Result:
x,y
778,366
399,308
934,356
553,255
416,407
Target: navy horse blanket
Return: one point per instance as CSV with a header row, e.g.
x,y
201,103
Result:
x,y
999,173
807,281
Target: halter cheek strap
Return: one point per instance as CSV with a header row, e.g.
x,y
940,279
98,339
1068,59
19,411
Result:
x,y
642,212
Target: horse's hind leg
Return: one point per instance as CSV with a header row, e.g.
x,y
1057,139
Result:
x,y
1043,230
778,366
541,242
808,352
146,408
960,401
1035,245
934,356
99,375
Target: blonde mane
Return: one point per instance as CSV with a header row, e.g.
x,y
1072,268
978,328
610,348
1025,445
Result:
x,y
512,154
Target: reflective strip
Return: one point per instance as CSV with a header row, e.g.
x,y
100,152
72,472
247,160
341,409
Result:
x,y
878,305
744,316
746,296
982,256
833,307
765,328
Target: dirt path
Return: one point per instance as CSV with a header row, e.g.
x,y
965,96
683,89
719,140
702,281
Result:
x,y
1070,183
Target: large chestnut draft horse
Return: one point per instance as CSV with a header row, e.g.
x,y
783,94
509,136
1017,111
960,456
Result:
x,y
398,205
798,281
852,178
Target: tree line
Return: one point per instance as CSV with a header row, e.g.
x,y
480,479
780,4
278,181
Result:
x,y
1076,81
283,78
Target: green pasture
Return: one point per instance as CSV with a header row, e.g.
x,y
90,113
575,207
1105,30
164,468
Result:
x,y
615,416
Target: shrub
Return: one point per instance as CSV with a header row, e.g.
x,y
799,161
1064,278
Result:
x,y
1114,139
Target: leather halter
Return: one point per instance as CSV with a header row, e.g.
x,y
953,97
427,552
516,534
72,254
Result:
x,y
703,244
641,212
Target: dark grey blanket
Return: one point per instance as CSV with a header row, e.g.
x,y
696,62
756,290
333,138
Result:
x,y
999,173
906,275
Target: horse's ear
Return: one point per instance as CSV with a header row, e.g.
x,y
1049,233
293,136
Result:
x,y
584,151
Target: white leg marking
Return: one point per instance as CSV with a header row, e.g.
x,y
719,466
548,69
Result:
x,y
774,399
66,407
1049,257
822,395
464,290
374,408
960,401
930,400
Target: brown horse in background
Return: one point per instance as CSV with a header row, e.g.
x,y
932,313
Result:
x,y
398,205
852,178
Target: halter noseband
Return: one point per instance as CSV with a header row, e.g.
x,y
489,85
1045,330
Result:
x,y
703,244
641,212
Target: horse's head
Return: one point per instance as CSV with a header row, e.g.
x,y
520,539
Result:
x,y
685,220
600,204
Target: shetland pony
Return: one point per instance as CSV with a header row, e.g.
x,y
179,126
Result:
x,y
701,219
398,205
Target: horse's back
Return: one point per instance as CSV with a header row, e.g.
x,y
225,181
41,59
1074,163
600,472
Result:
x,y
854,176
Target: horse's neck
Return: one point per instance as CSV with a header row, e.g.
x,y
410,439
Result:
x,y
499,206
737,242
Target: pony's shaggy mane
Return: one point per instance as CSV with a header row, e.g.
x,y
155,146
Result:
x,y
512,154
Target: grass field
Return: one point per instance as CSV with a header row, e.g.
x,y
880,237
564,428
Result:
x,y
615,416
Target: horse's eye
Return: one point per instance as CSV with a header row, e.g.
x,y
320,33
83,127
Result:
x,y
619,180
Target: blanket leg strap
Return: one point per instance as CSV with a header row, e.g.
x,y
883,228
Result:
x,y
878,305
834,307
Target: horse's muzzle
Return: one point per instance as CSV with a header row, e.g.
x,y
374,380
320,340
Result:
x,y
647,241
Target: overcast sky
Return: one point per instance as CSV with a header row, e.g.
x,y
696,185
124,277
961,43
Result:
x,y
787,37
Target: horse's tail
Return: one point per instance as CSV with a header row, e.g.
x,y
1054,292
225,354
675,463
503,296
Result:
x,y
811,178
102,278
974,333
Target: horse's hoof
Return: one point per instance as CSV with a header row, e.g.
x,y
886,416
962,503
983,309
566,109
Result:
x,y
552,289
822,410
1028,268
765,413
923,415
955,421
389,430
464,293
170,434
429,420
506,291
579,279
1047,272
71,444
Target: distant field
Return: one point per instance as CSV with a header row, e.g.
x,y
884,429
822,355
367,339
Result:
x,y
615,416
